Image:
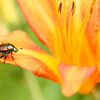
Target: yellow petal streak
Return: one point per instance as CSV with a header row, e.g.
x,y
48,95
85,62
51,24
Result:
x,y
70,24
46,59
64,8
77,20
98,50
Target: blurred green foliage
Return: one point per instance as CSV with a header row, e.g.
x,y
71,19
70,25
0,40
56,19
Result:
x,y
19,84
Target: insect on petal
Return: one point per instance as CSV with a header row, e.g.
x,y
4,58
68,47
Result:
x,y
30,57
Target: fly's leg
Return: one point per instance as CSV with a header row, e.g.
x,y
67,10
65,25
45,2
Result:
x,y
5,58
5,54
2,55
12,56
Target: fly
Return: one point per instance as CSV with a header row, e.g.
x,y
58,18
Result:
x,y
6,49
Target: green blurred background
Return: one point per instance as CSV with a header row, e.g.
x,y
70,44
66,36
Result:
x,y
17,83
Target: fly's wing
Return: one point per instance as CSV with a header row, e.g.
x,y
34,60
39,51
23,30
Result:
x,y
3,48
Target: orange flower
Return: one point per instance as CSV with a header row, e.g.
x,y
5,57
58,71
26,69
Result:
x,y
71,31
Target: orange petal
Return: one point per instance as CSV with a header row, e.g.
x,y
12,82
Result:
x,y
97,76
37,67
84,5
89,82
72,77
27,57
39,15
93,26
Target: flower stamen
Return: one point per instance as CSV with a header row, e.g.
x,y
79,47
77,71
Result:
x,y
81,36
70,23
60,8
61,38
73,7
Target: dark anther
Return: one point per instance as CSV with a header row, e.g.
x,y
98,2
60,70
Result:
x,y
73,7
91,10
60,8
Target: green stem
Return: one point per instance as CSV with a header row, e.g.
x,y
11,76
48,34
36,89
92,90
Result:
x,y
32,83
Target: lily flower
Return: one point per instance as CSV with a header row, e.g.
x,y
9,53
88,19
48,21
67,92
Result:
x,y
71,31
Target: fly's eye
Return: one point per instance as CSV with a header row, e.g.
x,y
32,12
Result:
x,y
10,47
15,49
